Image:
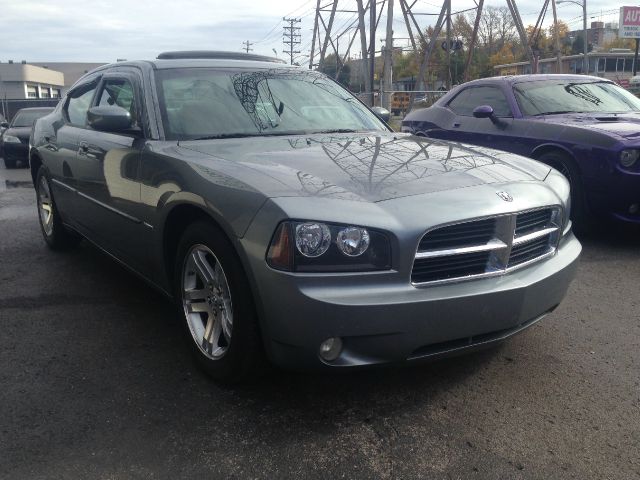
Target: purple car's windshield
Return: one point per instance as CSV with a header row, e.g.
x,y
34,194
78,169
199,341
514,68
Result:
x,y
548,97
200,103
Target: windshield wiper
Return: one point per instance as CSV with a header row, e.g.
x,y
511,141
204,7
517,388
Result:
x,y
245,135
559,112
225,135
338,130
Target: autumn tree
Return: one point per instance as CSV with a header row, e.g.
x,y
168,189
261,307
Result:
x,y
332,66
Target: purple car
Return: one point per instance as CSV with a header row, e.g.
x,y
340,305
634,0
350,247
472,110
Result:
x,y
586,127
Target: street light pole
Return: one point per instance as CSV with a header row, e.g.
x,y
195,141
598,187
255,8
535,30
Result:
x,y
585,65
583,4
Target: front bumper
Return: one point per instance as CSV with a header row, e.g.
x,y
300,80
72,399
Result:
x,y
615,196
381,320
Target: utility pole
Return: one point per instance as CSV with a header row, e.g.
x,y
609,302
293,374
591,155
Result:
x,y
372,46
585,65
368,87
515,14
448,3
556,35
247,46
291,37
388,60
472,43
315,34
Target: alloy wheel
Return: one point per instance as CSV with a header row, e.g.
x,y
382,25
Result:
x,y
206,300
45,206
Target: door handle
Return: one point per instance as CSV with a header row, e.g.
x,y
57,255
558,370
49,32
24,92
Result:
x,y
83,148
456,125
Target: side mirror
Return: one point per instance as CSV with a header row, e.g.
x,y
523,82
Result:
x,y
382,113
483,111
4,125
109,118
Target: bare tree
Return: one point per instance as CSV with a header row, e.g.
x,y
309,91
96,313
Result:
x,y
496,29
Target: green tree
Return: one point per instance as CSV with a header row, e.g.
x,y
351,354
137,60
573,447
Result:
x,y
332,66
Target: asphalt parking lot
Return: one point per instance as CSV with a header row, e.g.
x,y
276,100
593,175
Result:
x,y
97,382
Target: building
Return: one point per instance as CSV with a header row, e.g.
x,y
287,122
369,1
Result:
x,y
600,34
24,81
72,71
616,65
40,80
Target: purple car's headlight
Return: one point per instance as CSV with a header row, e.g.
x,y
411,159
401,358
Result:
x,y
629,157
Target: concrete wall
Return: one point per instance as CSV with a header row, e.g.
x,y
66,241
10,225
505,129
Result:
x,y
72,70
20,72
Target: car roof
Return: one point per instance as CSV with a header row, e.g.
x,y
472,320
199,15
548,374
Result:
x,y
204,58
512,79
36,109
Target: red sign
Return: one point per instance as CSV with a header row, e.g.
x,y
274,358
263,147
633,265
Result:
x,y
630,15
629,22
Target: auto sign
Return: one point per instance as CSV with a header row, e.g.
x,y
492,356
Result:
x,y
629,22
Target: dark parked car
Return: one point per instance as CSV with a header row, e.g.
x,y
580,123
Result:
x,y
586,127
282,215
14,141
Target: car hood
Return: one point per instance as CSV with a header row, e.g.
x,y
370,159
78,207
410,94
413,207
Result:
x,y
20,132
363,167
622,126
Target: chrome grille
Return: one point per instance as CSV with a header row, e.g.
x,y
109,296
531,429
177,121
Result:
x,y
529,222
485,247
460,235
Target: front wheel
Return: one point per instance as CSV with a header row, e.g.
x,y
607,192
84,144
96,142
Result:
x,y
580,215
216,303
9,163
54,232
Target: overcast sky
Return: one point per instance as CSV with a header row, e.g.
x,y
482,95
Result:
x,y
105,30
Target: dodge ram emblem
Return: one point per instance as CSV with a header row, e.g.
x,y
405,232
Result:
x,y
505,196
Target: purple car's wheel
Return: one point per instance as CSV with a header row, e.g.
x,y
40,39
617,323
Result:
x,y
566,165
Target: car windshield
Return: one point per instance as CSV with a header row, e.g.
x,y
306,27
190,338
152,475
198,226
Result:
x,y
550,97
198,103
25,118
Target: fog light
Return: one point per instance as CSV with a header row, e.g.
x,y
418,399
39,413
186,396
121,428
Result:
x,y
330,349
634,209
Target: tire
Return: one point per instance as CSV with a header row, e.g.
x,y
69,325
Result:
x,y
580,215
54,232
9,163
215,303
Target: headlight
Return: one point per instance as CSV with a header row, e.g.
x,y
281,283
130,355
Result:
x,y
312,239
561,187
10,139
629,157
320,247
353,241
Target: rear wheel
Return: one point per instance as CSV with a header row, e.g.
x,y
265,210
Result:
x,y
53,231
580,215
216,303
